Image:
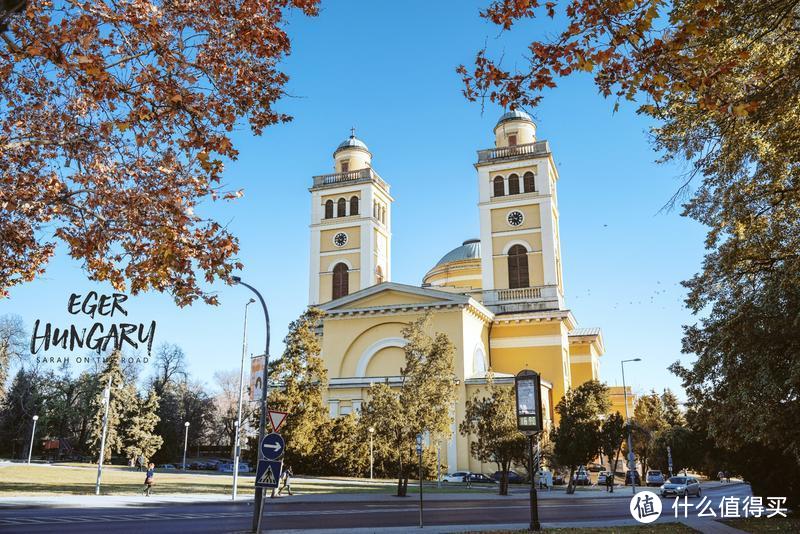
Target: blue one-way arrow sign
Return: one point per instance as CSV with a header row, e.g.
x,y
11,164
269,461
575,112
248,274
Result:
x,y
272,446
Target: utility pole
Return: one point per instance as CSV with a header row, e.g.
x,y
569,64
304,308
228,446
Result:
x,y
107,400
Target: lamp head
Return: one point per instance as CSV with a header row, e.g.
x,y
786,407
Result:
x,y
236,279
371,429
251,301
636,360
186,424
35,417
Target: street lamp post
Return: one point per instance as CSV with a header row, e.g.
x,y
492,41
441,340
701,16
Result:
x,y
527,392
236,445
371,457
185,443
107,399
33,433
631,457
259,494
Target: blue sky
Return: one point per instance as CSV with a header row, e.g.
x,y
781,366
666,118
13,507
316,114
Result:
x,y
388,68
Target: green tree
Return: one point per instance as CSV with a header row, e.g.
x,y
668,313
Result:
x,y
673,415
421,403
137,432
612,435
25,398
649,418
121,397
577,438
492,420
682,445
303,377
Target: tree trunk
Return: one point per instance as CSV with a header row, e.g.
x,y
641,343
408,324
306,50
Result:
x,y
571,483
401,488
614,467
504,477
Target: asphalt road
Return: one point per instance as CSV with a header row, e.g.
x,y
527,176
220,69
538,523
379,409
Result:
x,y
287,515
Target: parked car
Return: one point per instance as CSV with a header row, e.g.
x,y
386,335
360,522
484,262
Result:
x,y
581,477
244,467
513,477
654,478
458,476
212,464
480,478
166,466
636,478
680,486
559,479
595,468
602,477
225,467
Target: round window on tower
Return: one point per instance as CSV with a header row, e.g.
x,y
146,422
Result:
x,y
340,239
515,218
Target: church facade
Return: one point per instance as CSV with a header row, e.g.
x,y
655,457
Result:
x,y
499,298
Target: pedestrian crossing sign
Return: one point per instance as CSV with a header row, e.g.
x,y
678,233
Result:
x,y
268,473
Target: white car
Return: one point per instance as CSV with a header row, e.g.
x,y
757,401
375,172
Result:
x,y
458,476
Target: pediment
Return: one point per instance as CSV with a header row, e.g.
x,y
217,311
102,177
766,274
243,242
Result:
x,y
391,295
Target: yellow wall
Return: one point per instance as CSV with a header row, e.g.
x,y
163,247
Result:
x,y
326,239
531,218
533,239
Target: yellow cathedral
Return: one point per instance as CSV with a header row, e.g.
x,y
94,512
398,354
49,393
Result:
x,y
499,298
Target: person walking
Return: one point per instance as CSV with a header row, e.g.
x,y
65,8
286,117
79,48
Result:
x,y
610,481
140,462
148,480
286,480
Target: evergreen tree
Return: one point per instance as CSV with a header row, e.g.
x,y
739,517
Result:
x,y
673,415
421,404
492,419
25,399
122,400
302,376
138,432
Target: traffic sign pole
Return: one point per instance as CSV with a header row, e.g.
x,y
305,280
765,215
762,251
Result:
x,y
419,453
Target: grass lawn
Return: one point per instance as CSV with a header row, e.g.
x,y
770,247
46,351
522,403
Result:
x,y
661,528
79,479
765,524
40,480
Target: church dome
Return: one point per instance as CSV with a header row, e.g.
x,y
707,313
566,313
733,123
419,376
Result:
x,y
352,142
515,115
469,249
458,270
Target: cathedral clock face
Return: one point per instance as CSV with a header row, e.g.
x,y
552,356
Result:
x,y
515,218
340,239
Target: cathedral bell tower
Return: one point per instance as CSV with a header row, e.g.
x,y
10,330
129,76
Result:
x,y
350,226
520,243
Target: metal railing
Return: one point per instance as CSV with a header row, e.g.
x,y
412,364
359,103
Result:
x,y
360,175
529,149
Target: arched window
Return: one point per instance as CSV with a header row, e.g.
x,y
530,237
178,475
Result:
x,y
341,208
354,206
340,280
530,182
513,185
329,209
499,187
517,267
378,275
375,209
